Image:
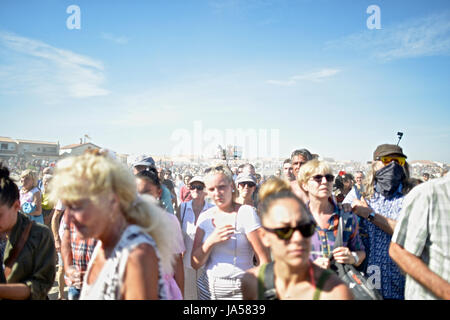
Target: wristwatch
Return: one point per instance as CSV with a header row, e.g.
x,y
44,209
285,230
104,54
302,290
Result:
x,y
356,257
371,216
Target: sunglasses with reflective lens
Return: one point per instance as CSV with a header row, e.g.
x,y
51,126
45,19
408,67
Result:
x,y
199,188
307,229
248,184
386,160
318,178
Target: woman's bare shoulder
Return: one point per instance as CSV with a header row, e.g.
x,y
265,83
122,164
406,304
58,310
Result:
x,y
250,284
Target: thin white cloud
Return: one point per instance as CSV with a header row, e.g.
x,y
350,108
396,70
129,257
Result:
x,y
40,68
318,76
419,37
113,38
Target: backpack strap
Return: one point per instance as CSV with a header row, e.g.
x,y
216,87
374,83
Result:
x,y
320,283
266,284
270,292
14,254
261,287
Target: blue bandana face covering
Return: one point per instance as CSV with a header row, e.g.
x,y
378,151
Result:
x,y
389,178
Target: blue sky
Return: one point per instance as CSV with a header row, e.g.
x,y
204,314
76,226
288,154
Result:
x,y
138,72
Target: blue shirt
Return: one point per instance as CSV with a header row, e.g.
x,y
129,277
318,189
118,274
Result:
x,y
392,280
166,199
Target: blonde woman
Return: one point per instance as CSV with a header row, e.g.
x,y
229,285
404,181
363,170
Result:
x,y
134,247
30,196
316,178
226,239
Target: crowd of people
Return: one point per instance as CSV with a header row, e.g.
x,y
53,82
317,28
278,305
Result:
x,y
107,231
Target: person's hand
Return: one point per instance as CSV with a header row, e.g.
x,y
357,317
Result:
x,y
361,208
322,262
74,276
221,234
343,255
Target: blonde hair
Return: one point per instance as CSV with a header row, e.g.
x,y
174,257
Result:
x,y
30,174
276,189
226,171
90,176
311,168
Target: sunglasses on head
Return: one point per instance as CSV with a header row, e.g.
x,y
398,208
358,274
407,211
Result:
x,y
307,229
199,188
387,159
248,184
318,178
218,168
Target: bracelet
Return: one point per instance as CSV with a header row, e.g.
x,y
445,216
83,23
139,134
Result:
x,y
371,216
355,255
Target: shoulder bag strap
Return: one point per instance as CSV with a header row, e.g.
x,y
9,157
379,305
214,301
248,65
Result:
x,y
340,232
184,212
14,254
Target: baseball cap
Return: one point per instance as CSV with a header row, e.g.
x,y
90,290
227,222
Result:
x,y
245,178
144,160
196,179
386,150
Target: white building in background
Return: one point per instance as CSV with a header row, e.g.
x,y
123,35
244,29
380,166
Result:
x,y
8,147
28,149
76,149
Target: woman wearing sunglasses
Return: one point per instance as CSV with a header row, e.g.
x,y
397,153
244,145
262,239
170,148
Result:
x,y
246,186
385,188
287,231
226,240
189,212
317,179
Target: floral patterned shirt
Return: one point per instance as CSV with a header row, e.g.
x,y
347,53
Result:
x,y
392,281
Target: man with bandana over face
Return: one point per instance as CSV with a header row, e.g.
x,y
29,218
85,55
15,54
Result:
x,y
379,208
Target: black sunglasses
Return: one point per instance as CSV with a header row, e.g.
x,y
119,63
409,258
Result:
x,y
248,184
318,178
199,188
307,229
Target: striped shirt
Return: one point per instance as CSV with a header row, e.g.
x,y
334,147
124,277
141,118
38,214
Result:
x,y
424,230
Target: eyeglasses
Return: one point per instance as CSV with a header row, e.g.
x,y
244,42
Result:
x,y
248,184
386,160
199,188
307,229
318,178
